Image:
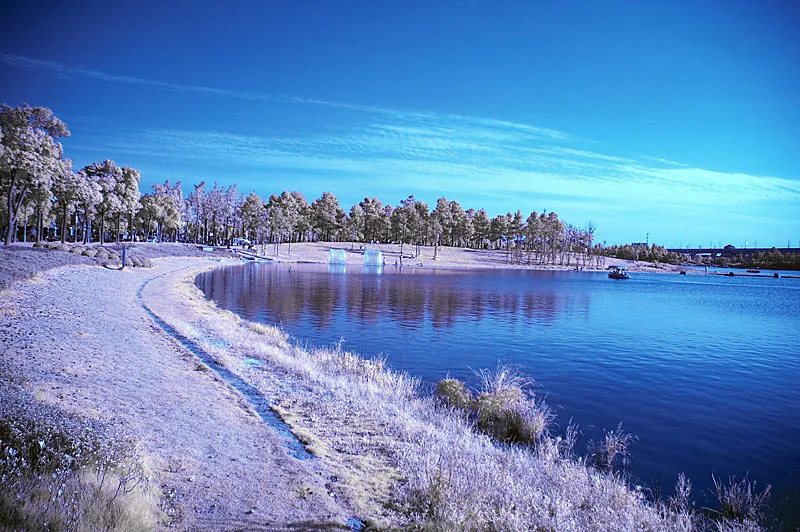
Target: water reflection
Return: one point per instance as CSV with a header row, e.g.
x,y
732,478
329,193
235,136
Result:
x,y
409,299
667,355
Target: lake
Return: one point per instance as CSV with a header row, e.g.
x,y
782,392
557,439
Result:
x,y
703,369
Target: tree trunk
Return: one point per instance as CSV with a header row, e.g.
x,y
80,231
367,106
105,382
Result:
x,y
119,225
102,227
64,217
13,211
40,228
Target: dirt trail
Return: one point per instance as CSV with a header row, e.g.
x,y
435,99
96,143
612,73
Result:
x,y
84,342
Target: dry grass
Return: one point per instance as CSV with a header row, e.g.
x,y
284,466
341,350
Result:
x,y
62,472
405,459
741,504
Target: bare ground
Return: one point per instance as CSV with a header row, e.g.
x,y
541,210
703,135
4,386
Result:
x,y
83,341
23,261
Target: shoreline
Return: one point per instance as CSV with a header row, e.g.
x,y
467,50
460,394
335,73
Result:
x,y
447,258
379,445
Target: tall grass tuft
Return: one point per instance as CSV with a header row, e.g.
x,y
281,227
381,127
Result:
x,y
740,502
612,450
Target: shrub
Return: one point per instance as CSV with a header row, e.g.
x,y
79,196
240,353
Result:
x,y
62,472
454,393
90,252
505,409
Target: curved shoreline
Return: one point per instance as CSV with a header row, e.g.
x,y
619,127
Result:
x,y
381,446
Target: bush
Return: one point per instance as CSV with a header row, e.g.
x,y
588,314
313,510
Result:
x,y
505,408
454,393
62,472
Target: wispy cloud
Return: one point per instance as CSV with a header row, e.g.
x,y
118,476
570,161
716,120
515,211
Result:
x,y
458,155
435,156
82,72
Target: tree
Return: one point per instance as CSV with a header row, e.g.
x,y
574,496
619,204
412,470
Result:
x,y
516,225
444,217
107,175
301,215
196,203
419,223
87,197
66,189
167,202
355,224
402,220
498,228
481,225
29,156
251,212
533,235
128,195
374,218
326,215
461,227
283,216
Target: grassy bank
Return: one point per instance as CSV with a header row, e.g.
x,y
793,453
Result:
x,y
63,472
490,460
395,456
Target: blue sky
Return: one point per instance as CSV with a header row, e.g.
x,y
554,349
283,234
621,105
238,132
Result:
x,y
677,119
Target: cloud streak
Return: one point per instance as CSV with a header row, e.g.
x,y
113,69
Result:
x,y
402,152
81,72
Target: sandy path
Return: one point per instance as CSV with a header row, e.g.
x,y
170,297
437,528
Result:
x,y
84,342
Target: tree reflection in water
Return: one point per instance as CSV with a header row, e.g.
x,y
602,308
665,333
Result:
x,y
274,293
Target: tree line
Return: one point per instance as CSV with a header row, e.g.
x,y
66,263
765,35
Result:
x,y
45,197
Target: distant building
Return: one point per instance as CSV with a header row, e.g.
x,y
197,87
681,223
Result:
x,y
729,247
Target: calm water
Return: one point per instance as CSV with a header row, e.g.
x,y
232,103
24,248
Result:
x,y
703,369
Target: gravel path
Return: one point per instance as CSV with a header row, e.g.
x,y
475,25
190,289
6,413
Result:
x,y
82,339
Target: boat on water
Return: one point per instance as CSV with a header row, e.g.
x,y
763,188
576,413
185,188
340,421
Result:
x,y
618,273
753,270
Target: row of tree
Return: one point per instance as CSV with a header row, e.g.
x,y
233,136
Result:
x,y
102,202
651,253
